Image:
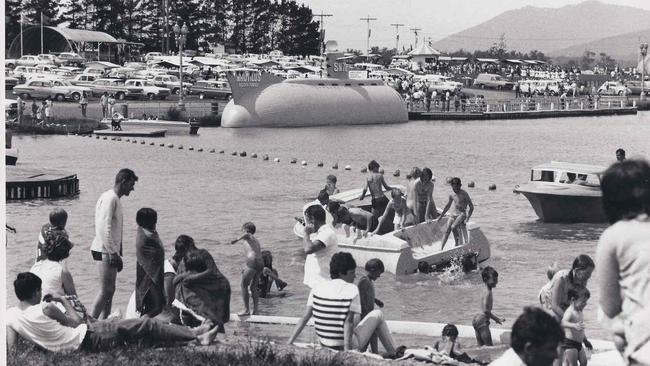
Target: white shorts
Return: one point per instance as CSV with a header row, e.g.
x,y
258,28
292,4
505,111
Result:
x,y
397,219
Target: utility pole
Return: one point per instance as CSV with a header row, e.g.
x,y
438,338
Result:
x,y
321,35
397,25
368,19
415,31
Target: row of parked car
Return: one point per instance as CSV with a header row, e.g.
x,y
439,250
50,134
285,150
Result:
x,y
61,59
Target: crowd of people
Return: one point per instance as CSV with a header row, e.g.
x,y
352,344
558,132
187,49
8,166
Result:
x,y
186,298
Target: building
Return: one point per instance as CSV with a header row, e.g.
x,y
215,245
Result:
x,y
424,54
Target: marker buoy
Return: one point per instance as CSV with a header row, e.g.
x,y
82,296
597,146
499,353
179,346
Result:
x,y
471,184
134,141
277,160
347,167
191,148
97,137
381,171
162,144
119,139
242,154
303,163
222,151
170,146
104,138
396,173
265,157
294,160
200,149
492,187
212,150
128,140
364,170
335,166
180,147
253,155
142,142
152,143
320,164
234,153
448,180
112,138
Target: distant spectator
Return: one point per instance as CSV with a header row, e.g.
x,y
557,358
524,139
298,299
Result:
x,y
620,155
103,101
83,103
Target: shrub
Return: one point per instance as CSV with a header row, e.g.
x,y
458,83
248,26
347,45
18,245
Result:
x,y
173,114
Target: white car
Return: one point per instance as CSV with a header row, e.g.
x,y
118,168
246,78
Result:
x,y
614,88
29,60
150,56
149,89
47,58
84,79
43,87
171,82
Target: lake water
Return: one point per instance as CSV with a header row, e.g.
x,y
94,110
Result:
x,y
209,196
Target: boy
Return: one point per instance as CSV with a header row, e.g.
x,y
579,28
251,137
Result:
x,y
374,269
397,203
353,216
254,266
330,185
481,322
374,183
58,220
459,215
574,329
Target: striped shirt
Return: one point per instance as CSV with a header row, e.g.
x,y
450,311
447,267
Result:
x,y
331,302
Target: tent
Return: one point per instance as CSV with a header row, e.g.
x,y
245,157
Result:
x,y
424,54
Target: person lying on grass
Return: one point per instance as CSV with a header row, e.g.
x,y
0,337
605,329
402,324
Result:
x,y
43,324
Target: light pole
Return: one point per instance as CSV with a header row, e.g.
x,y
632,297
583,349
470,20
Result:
x,y
644,53
181,36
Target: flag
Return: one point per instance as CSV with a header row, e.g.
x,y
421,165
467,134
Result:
x,y
369,32
397,36
416,33
322,35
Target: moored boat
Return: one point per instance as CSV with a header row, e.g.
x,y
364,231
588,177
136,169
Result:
x,y
565,192
402,250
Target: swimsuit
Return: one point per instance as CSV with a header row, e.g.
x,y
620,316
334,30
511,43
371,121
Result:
x,y
480,321
255,263
570,344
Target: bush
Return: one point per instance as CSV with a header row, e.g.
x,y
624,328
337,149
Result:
x,y
174,114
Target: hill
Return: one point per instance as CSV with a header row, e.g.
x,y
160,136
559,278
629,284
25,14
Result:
x,y
550,29
623,48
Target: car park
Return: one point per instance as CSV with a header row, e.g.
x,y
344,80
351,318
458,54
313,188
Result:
x,y
69,59
54,88
94,71
149,89
28,60
492,81
115,87
216,89
614,88
10,81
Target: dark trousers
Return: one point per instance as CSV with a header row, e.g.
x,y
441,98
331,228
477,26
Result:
x,y
108,334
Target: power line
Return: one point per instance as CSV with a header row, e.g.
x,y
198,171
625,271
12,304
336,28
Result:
x,y
397,25
368,19
415,31
322,16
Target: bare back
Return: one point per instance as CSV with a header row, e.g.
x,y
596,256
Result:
x,y
375,182
571,315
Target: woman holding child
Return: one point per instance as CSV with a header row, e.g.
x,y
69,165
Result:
x,y
623,257
554,296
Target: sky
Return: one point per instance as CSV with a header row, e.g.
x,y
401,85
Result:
x,y
435,18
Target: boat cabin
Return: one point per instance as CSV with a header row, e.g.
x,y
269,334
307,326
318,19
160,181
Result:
x,y
567,173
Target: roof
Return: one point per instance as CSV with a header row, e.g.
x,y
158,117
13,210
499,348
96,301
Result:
x,y
493,60
424,50
83,35
102,64
571,167
305,69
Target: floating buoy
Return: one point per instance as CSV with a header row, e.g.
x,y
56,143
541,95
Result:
x,y
234,153
396,173
128,140
162,144
277,160
303,163
212,150
222,151
170,146
492,187
253,155
335,166
242,154
134,141
119,139
152,143
448,180
113,138
364,170
143,142
104,138
381,171
200,149
191,148
97,137
347,167
180,147
471,184
265,157
320,164
294,160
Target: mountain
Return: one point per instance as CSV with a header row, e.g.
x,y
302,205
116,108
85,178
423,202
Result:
x,y
549,29
623,48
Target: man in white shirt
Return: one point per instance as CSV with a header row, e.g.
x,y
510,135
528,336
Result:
x,y
336,308
106,248
534,340
320,250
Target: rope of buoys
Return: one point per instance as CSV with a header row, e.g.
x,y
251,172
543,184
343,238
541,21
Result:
x,y
200,149
492,187
347,167
234,153
152,143
191,148
134,141
242,154
212,150
180,147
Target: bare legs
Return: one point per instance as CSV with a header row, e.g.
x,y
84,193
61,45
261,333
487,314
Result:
x,y
104,299
249,280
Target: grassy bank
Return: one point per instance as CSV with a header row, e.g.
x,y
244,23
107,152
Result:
x,y
235,351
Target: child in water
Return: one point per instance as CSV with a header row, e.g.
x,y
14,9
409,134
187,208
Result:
x,y
574,329
481,322
459,202
374,268
58,220
397,203
330,185
254,267
269,276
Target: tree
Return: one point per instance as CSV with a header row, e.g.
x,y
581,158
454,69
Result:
x,y
32,10
12,20
74,14
500,48
298,33
385,55
587,60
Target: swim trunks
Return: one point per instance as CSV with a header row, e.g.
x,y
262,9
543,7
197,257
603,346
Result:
x,y
255,263
379,204
397,219
97,256
570,344
480,321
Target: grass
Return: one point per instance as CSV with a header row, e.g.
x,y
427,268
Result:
x,y
233,351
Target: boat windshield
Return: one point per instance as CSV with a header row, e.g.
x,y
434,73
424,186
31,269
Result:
x,y
543,176
592,180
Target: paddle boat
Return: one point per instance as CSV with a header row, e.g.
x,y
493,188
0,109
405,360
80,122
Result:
x,y
172,126
565,192
402,251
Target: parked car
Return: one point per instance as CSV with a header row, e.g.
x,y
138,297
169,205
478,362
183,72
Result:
x,y
55,88
83,79
47,58
149,89
635,87
45,68
211,89
94,71
69,59
150,56
440,83
10,81
169,81
614,88
492,81
115,87
10,63
28,60
552,87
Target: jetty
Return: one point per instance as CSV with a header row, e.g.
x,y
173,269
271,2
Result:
x,y
30,183
131,133
535,114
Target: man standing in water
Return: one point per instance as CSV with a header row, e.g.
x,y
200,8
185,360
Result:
x,y
320,250
106,248
459,201
374,183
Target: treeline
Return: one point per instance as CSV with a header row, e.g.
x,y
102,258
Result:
x,y
250,26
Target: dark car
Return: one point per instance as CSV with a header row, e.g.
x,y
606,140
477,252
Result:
x,y
115,87
211,89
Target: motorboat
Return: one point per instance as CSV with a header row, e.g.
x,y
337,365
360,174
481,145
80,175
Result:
x,y
565,192
403,251
172,126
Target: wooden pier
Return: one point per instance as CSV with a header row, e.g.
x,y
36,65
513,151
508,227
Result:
x,y
494,115
30,183
131,133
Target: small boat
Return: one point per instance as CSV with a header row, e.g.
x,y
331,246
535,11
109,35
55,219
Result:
x,y
403,250
565,192
171,126
11,153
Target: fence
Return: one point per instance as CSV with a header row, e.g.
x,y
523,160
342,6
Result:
x,y
519,105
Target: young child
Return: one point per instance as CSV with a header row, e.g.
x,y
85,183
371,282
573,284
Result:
x,y
374,269
459,201
574,329
360,219
448,344
398,203
58,220
269,276
481,322
254,267
330,185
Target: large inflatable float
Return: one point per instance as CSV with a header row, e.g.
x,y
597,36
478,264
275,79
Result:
x,y
262,99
